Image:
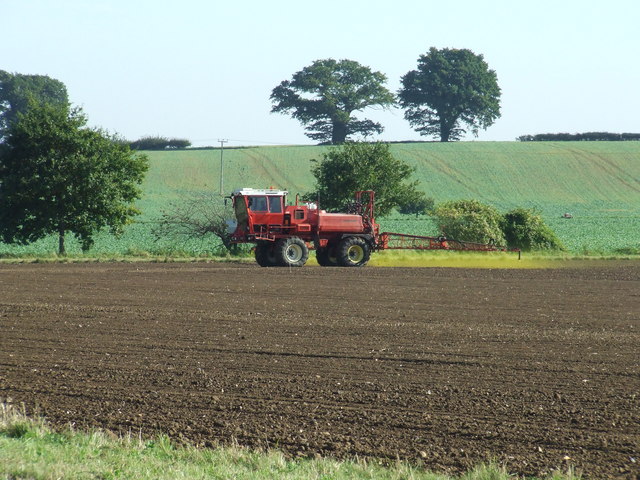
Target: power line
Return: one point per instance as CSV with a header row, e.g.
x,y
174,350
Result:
x,y
251,142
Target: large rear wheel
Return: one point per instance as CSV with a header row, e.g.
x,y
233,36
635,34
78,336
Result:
x,y
326,257
292,252
266,254
353,252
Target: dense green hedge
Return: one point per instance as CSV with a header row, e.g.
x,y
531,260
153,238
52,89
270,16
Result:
x,y
159,143
573,137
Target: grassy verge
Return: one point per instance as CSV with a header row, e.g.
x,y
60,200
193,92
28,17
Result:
x,y
390,258
29,449
510,260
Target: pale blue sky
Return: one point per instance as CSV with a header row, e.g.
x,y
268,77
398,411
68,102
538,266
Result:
x,y
204,70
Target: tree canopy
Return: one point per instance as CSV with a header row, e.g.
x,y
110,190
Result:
x,y
449,89
324,95
420,206
57,176
356,166
17,90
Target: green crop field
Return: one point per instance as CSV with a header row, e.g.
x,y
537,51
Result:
x,y
597,182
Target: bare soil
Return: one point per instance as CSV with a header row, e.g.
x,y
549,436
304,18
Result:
x,y
538,369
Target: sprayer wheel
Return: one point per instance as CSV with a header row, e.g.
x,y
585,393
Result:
x,y
326,258
353,252
291,252
266,255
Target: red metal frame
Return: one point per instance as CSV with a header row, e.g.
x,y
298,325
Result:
x,y
403,241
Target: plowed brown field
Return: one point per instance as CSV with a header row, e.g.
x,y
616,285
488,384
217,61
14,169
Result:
x,y
538,369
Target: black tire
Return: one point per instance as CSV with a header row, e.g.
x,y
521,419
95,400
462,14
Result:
x,y
266,255
353,252
325,257
291,252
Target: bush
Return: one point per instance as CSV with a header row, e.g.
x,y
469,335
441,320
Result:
x,y
470,221
473,221
525,229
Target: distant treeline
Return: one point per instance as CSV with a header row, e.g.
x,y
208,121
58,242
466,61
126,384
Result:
x,y
159,143
573,137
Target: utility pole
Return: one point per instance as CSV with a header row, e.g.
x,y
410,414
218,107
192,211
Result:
x,y
222,142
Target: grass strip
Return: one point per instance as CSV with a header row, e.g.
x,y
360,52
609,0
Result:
x,y
30,449
391,258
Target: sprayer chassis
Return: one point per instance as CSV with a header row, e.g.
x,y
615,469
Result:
x,y
284,234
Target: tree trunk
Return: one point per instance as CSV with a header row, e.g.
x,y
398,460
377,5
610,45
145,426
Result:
x,y
339,133
61,233
445,132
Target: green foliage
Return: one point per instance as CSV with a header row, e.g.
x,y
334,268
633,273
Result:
x,y
17,90
450,87
470,221
419,206
473,221
159,143
524,228
324,95
358,166
58,176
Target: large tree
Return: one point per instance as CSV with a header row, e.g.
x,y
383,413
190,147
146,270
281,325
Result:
x,y
17,90
57,176
450,88
356,166
324,96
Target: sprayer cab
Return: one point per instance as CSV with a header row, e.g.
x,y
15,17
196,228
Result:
x,y
259,213
264,215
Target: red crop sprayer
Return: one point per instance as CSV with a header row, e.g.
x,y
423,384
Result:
x,y
284,234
